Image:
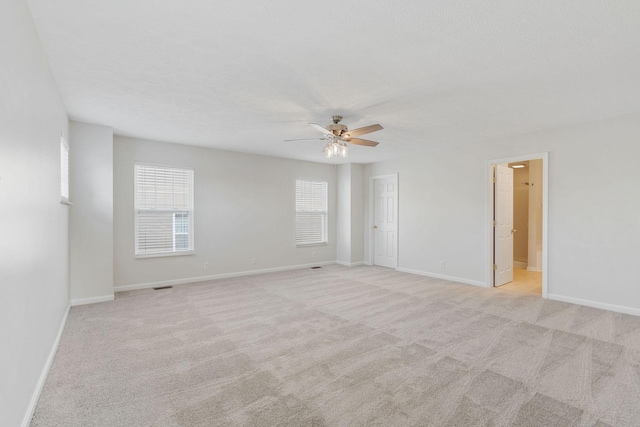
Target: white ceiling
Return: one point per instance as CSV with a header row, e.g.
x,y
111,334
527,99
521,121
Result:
x,y
245,75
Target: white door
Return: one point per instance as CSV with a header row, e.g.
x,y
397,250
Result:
x,y
385,222
503,230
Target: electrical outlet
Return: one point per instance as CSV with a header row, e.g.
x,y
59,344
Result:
x,y
441,264
253,260
206,265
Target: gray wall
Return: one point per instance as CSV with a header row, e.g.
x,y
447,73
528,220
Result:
x,y
91,221
593,214
244,209
343,235
357,213
350,213
34,248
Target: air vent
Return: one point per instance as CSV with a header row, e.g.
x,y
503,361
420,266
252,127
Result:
x,y
162,287
313,268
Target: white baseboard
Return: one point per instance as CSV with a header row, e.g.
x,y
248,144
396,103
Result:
x,y
596,304
533,269
350,264
92,300
520,264
442,276
45,371
149,285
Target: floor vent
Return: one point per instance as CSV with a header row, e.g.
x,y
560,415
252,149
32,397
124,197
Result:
x,y
313,268
162,287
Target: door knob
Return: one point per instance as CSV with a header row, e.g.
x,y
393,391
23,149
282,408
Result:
x,y
375,226
513,230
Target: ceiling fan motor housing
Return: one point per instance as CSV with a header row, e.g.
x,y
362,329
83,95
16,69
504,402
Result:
x,y
337,129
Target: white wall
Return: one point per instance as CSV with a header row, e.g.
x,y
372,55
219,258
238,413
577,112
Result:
x,y
244,208
593,219
91,217
34,261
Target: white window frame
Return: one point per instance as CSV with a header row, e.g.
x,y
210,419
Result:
x,y
170,246
318,208
64,171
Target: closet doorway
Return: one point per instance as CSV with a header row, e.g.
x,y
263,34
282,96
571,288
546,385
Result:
x,y
518,224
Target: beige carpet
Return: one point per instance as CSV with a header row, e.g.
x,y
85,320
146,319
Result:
x,y
342,346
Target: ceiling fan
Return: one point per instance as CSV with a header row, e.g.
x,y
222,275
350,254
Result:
x,y
338,135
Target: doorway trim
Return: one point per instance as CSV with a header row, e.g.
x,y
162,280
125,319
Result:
x,y
544,156
372,216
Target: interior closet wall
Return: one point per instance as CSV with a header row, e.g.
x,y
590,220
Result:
x,y
521,215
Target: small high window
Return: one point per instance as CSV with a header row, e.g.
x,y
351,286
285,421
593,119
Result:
x,y
64,171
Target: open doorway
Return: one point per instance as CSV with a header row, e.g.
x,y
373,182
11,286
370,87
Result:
x,y
517,225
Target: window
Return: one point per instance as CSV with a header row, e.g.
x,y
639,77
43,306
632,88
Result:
x,y
311,212
64,171
180,232
163,210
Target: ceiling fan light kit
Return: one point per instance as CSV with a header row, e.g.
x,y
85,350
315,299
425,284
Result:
x,y
338,135
335,148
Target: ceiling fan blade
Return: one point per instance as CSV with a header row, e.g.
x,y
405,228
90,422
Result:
x,y
364,130
320,128
304,139
359,141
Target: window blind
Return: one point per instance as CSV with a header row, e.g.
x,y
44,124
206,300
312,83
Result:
x,y
64,170
311,212
163,210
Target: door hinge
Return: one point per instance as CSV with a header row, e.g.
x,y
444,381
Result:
x,y
493,222
494,180
495,266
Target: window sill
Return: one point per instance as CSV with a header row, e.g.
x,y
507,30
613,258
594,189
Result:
x,y
304,245
166,254
65,202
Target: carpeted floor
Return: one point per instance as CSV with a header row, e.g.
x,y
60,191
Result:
x,y
342,346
